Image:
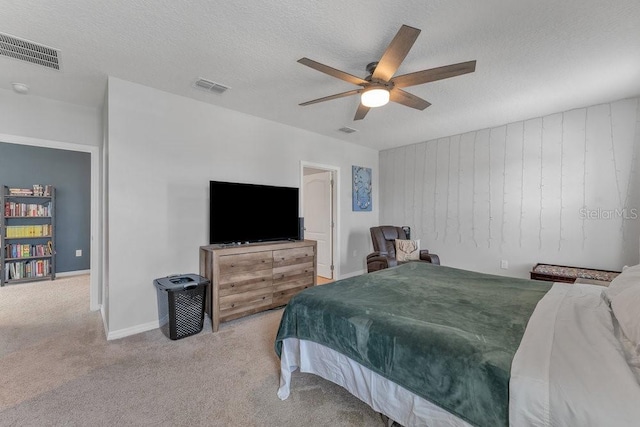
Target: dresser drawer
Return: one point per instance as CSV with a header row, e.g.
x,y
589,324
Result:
x,y
244,301
301,281
239,277
282,297
241,263
245,282
287,285
285,257
285,271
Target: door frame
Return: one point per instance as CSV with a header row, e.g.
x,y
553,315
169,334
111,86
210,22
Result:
x,y
95,287
335,238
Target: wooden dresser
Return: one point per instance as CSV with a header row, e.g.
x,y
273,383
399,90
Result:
x,y
247,279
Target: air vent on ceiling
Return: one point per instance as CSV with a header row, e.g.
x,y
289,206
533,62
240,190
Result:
x,y
210,86
25,50
347,130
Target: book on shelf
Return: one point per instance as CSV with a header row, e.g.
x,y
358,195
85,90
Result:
x,y
36,190
36,210
23,250
26,269
37,230
20,191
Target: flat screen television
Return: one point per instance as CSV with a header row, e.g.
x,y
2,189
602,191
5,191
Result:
x,y
241,213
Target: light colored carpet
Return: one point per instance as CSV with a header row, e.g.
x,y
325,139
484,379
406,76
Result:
x,y
57,369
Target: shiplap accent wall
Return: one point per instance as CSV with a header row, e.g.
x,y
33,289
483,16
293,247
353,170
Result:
x,y
560,189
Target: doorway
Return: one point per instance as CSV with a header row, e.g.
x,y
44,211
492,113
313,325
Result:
x,y
95,284
319,202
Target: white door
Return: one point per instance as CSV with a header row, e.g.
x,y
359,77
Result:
x,y
318,218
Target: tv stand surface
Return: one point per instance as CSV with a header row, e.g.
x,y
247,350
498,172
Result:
x,y
252,277
234,244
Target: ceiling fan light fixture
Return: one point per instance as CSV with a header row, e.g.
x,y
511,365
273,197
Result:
x,y
375,89
375,97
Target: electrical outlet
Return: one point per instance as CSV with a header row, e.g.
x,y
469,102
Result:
x,y
78,252
504,264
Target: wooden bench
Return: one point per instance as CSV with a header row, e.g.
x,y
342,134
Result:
x,y
567,274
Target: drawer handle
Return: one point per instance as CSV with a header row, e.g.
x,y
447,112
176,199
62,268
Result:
x,y
264,297
233,305
263,279
233,265
232,285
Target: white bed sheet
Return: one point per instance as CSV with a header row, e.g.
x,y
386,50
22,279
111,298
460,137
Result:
x,y
570,370
382,395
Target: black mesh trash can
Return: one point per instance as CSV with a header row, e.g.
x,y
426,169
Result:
x,y
181,304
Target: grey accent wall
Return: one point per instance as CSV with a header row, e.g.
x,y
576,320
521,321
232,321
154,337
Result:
x,y
70,173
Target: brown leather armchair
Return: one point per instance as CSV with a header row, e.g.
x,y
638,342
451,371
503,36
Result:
x,y
384,246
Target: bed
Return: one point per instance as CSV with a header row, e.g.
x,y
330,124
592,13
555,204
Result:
x,y
438,346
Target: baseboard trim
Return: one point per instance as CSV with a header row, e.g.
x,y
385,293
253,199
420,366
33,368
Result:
x,y
352,274
121,333
73,273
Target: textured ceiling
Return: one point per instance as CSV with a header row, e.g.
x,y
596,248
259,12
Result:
x,y
533,57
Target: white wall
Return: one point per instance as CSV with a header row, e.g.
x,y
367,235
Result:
x,y
37,121
36,117
163,150
558,189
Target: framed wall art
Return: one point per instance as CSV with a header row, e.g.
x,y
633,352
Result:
x,y
361,189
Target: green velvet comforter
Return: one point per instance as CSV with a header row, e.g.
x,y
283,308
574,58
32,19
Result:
x,y
445,334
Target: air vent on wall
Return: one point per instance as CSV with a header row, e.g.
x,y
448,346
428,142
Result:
x,y
210,86
25,50
347,129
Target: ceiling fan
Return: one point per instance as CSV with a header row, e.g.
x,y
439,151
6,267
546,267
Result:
x,y
380,87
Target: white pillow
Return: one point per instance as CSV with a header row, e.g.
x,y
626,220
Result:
x,y
626,308
407,250
630,277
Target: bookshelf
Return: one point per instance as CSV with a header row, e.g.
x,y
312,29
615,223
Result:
x,y
27,234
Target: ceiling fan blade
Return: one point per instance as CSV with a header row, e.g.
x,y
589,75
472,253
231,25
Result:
x,y
395,53
361,112
330,97
433,74
332,71
405,98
